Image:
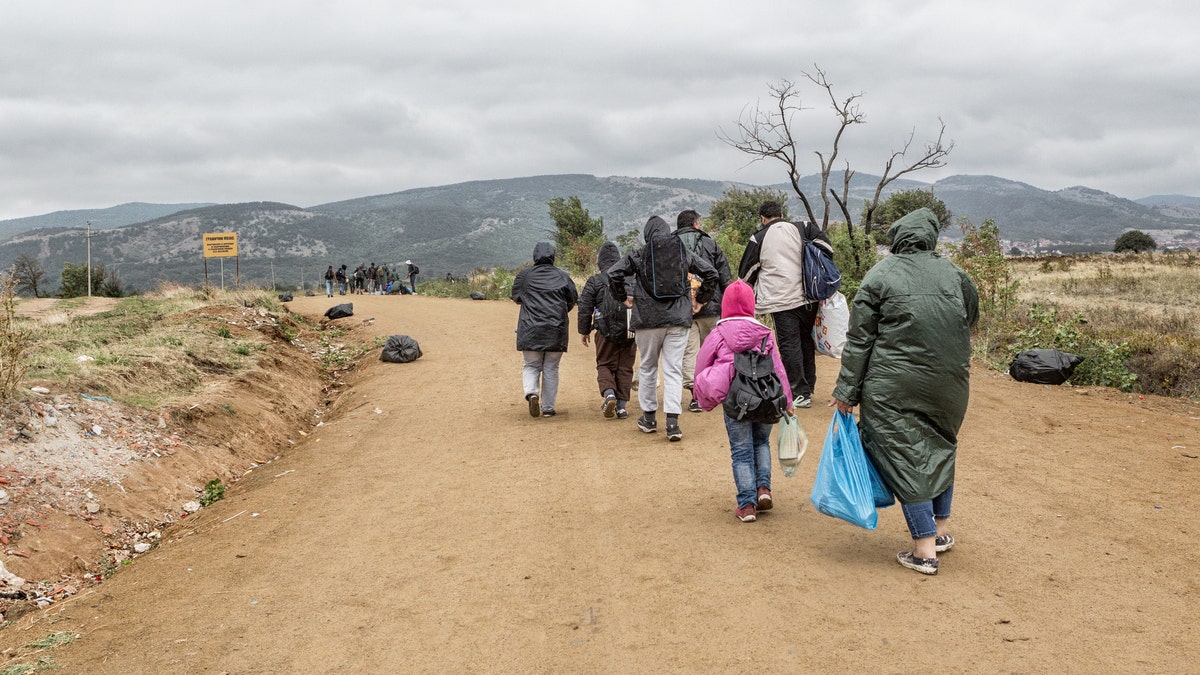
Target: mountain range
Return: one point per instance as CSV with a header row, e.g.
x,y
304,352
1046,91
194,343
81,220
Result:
x,y
458,228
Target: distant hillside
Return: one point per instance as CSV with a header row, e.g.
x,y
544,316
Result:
x,y
457,228
1080,216
101,219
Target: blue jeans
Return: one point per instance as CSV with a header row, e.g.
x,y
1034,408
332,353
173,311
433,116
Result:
x,y
750,449
920,515
328,288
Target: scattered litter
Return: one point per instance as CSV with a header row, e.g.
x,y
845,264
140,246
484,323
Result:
x,y
97,398
191,507
83,358
1179,447
142,547
284,473
40,390
378,411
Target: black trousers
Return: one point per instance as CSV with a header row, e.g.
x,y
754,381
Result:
x,y
797,349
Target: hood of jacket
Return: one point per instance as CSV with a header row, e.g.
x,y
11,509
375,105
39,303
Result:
x,y
543,253
738,300
608,256
655,227
917,231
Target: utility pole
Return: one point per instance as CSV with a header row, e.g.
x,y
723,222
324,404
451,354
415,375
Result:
x,y
89,260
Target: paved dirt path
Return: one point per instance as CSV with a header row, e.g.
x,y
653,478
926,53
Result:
x,y
433,526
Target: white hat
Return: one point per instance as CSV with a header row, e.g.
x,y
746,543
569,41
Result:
x,y
407,262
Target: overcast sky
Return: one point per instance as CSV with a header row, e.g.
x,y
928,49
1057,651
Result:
x,y
103,103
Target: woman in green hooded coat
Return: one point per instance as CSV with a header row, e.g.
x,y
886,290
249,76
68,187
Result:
x,y
907,364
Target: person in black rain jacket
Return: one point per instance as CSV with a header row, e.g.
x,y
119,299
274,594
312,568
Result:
x,y
546,295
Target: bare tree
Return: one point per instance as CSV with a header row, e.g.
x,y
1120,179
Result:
x,y
28,273
769,133
934,156
772,133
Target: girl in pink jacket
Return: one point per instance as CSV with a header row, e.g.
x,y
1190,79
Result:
x,y
749,442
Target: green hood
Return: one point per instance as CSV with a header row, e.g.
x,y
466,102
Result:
x,y
918,231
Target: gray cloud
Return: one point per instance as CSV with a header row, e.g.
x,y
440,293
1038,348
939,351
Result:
x,y
310,102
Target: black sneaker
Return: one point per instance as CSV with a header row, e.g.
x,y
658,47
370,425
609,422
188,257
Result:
x,y
622,414
694,406
549,412
610,407
673,432
912,562
535,405
647,425
943,543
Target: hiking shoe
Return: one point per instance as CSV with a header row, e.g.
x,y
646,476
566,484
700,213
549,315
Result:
x,y
694,406
673,431
912,562
548,412
943,543
647,425
746,513
535,405
610,407
622,414
764,499
802,401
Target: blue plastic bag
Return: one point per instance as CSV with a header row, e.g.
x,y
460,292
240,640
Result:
x,y
845,484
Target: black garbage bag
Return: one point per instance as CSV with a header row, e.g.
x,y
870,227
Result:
x,y
285,297
400,349
1043,366
340,311
476,295
309,293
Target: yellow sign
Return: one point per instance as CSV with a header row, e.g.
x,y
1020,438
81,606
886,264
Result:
x,y
220,245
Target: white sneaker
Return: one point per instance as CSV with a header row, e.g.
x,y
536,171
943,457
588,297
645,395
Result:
x,y
802,401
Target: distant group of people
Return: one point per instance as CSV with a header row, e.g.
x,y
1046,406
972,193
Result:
x,y
370,280
672,304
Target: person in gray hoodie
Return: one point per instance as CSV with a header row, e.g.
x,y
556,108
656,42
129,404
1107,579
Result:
x,y
615,347
546,295
660,323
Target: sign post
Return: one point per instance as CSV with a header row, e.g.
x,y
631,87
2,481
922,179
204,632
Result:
x,y
221,245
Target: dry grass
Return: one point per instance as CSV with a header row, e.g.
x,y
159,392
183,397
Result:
x,y
153,348
1148,301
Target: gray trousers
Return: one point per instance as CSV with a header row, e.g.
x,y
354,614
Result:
x,y
545,365
671,342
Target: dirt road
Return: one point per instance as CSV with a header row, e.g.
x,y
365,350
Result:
x,y
432,525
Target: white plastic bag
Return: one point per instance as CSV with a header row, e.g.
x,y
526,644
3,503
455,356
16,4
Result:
x,y
829,330
791,443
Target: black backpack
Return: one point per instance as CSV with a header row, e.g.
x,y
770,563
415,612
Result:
x,y
612,318
755,394
665,268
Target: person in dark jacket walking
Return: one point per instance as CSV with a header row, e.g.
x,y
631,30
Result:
x,y
546,295
907,361
660,324
704,317
329,277
615,349
340,275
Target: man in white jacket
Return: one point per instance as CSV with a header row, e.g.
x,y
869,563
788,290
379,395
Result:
x,y
773,264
